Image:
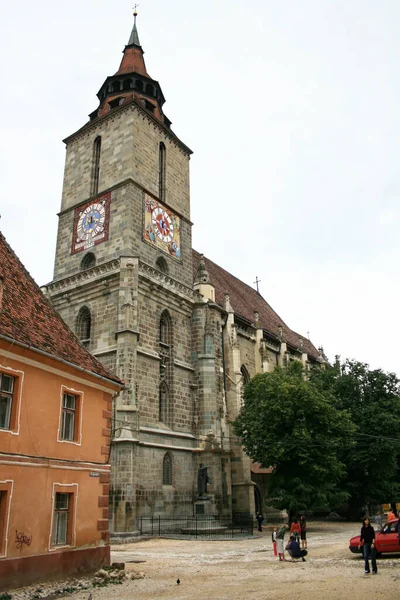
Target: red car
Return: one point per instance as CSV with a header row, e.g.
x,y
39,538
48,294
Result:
x,y
386,540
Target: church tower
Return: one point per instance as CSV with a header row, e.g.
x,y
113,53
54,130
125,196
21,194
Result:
x,y
123,282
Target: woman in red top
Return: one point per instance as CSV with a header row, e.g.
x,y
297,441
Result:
x,y
295,529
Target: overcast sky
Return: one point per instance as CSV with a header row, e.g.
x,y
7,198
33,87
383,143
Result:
x,y
292,110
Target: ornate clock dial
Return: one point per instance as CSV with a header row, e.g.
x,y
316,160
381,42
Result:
x,y
162,224
91,222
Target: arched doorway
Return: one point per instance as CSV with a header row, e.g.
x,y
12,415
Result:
x,y
257,499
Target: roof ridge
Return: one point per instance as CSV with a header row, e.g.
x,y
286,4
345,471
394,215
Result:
x,y
252,290
40,326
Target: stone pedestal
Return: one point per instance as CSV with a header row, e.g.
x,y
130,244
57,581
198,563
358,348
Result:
x,y
204,506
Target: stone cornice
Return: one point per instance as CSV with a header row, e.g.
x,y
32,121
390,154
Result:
x,y
83,277
112,267
165,281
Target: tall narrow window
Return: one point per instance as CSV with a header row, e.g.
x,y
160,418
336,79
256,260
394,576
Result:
x,y
62,508
167,470
84,326
6,488
68,417
163,405
165,328
6,400
161,172
166,370
96,166
245,379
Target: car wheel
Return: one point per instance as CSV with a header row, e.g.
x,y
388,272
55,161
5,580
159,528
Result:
x,y
378,554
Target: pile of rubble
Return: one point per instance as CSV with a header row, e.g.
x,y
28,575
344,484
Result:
x,y
115,574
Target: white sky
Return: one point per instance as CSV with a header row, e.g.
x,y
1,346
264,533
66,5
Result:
x,y
291,108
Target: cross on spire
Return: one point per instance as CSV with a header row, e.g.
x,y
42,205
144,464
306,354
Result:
x,y
257,281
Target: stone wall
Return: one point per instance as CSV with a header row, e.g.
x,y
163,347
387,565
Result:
x,y
130,142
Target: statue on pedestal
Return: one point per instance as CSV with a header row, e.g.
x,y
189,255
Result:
x,y
202,480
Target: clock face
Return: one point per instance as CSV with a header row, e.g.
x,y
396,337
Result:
x,y
162,224
91,223
161,228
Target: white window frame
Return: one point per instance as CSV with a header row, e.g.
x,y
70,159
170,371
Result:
x,y
72,490
8,482
77,440
16,398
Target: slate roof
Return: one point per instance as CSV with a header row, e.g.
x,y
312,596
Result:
x,y
28,318
245,301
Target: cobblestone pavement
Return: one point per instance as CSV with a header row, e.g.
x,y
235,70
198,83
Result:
x,y
245,569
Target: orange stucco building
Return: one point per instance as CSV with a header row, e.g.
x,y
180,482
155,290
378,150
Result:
x,y
55,419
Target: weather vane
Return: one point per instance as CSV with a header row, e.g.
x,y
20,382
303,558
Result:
x,y
135,13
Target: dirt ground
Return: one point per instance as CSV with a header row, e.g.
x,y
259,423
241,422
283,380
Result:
x,y
247,569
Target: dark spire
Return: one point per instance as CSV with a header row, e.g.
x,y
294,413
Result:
x,y
134,38
132,82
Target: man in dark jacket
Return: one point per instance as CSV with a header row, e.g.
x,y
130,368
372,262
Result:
x,y
293,548
259,519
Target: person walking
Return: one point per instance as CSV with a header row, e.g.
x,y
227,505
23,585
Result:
x,y
367,541
259,519
280,535
303,532
378,520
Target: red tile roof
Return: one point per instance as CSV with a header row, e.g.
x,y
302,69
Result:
x,y
28,318
245,301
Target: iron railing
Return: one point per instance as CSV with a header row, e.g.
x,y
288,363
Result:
x,y
198,526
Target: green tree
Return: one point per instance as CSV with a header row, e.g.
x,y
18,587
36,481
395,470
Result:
x,y
372,397
291,424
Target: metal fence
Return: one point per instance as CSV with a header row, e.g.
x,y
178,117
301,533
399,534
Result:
x,y
197,527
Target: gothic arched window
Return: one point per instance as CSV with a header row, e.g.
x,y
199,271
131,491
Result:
x,y
161,264
167,470
88,261
84,325
94,188
245,379
163,403
161,171
166,328
245,374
